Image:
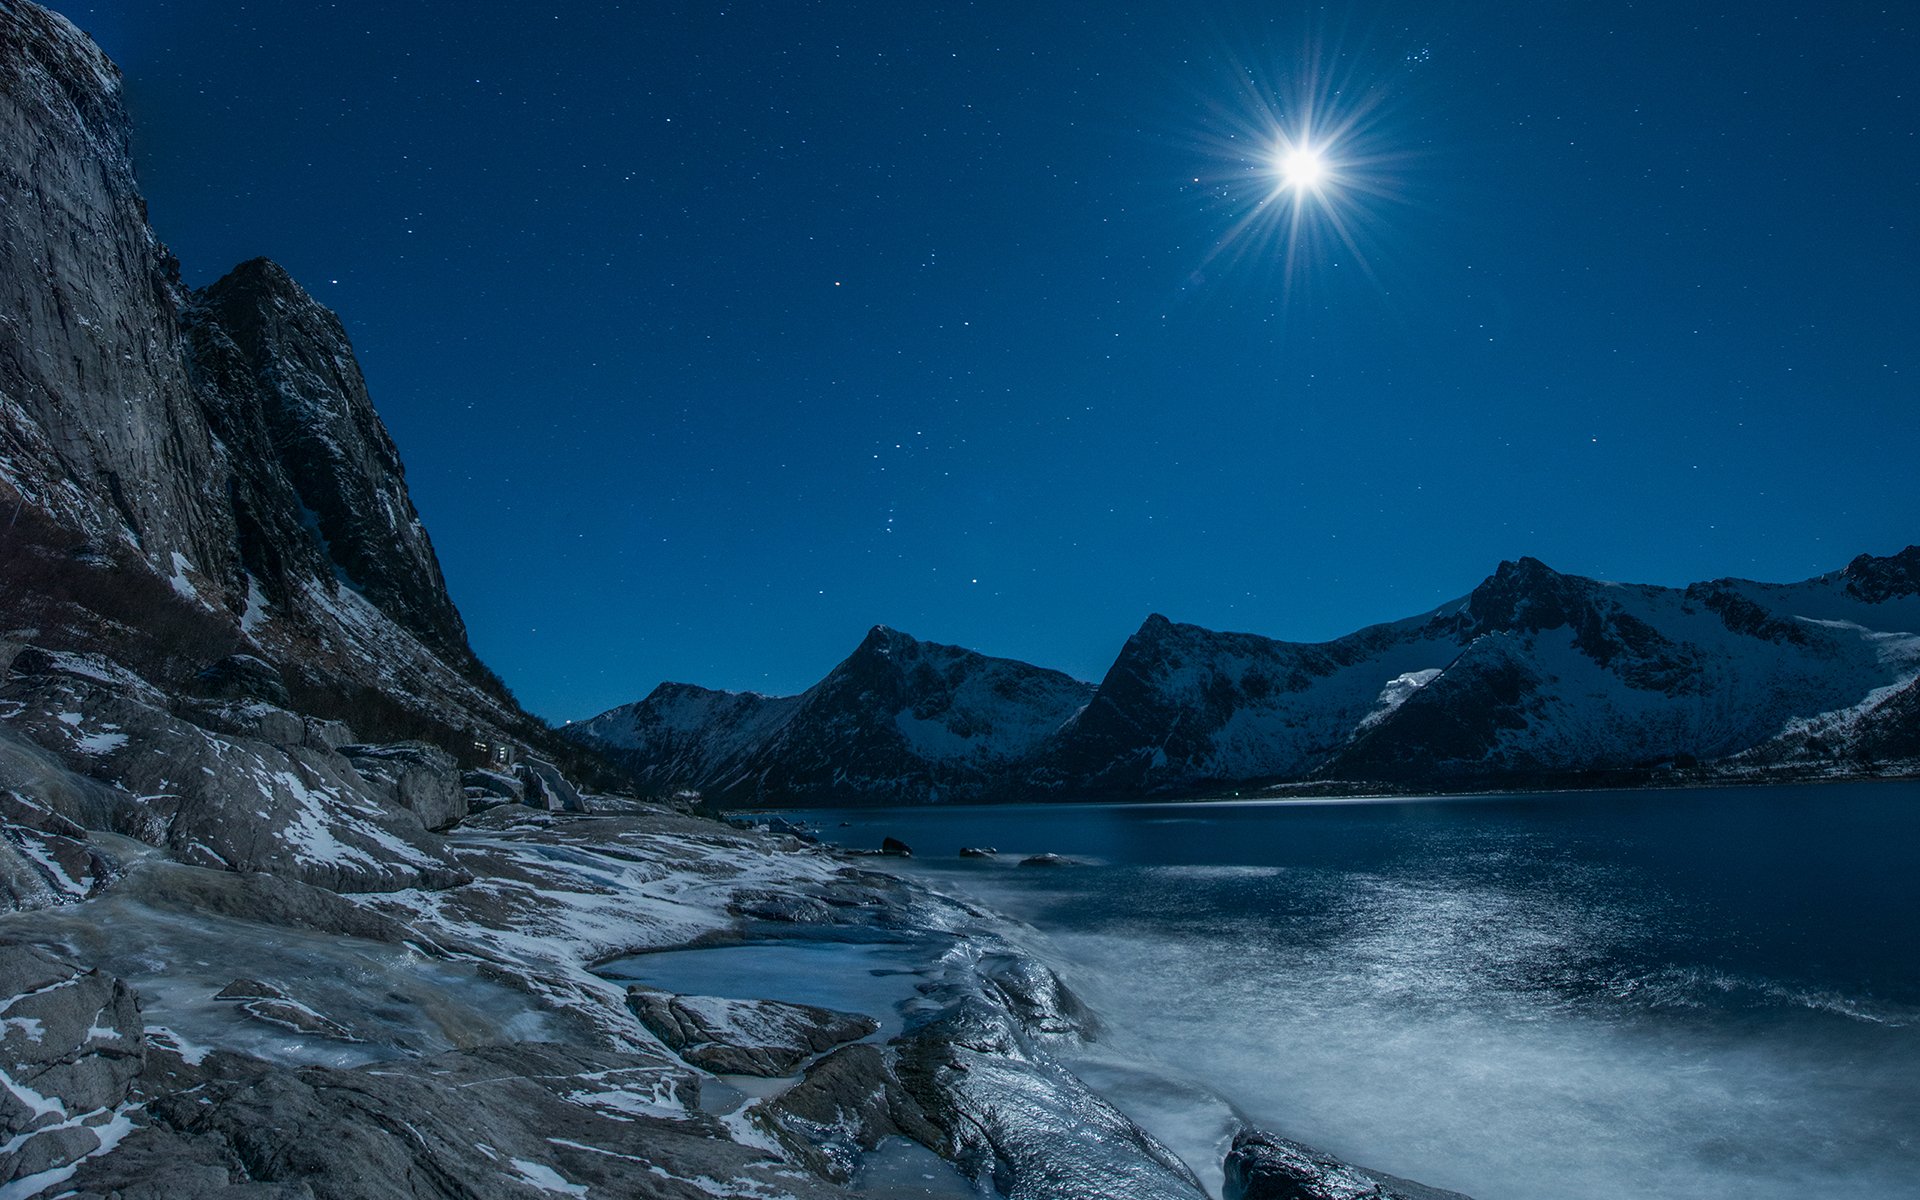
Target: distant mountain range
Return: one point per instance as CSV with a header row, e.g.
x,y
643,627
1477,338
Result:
x,y
1533,679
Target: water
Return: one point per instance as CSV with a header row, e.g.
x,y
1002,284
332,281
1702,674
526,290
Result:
x,y
876,978
1685,995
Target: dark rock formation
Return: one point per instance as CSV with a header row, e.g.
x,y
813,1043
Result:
x,y
1263,1167
744,1037
226,801
848,1103
99,429
313,466
506,1121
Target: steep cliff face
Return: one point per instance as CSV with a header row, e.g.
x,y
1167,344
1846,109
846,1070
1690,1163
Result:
x,y
185,475
310,462
98,428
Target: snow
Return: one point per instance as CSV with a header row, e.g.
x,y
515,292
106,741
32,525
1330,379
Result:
x,y
32,1027
192,1053
182,585
100,743
546,1178
256,613
1397,692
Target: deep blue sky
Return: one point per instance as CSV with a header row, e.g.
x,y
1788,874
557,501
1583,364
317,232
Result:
x,y
713,334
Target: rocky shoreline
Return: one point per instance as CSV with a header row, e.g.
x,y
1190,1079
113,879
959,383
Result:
x,y
373,1009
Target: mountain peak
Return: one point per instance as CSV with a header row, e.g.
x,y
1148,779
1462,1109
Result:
x,y
884,641
1525,594
1528,568
1154,627
1877,579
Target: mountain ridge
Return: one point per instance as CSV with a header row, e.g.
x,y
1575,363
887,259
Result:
x,y
1532,675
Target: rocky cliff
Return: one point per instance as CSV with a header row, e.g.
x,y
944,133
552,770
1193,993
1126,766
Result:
x,y
186,475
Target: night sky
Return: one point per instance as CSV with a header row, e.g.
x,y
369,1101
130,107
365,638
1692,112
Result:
x,y
714,334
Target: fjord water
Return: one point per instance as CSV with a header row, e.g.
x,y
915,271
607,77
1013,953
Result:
x,y
1682,994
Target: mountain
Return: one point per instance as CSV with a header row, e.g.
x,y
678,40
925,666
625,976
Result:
x,y
898,721
1535,677
186,475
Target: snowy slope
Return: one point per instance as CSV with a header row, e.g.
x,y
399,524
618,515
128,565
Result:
x,y
899,719
1534,674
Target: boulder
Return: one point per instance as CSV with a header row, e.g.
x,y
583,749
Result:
x,y
417,777
848,1104
1046,860
555,792
978,852
896,847
1264,1167
484,789
744,1037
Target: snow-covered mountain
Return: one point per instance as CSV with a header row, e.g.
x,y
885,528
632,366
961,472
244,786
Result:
x,y
899,720
1532,677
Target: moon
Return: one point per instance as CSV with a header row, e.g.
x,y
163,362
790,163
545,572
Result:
x,y
1302,168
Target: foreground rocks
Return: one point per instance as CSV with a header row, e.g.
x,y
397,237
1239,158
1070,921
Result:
x,y
70,1047
1264,1167
744,1037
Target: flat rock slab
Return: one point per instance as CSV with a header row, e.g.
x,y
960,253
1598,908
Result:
x,y
768,1038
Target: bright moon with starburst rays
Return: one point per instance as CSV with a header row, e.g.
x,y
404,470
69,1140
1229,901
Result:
x,y
1301,168
1306,164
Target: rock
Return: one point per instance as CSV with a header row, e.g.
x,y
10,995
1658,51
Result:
x,y
848,1103
1001,1106
520,1122
1264,1167
222,800
420,778
744,1037
555,792
896,848
784,907
244,677
1036,997
978,852
291,1014
487,788
269,900
1046,860
100,422
250,989
46,859
70,1046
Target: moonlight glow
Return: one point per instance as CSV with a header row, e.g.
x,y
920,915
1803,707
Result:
x,y
1302,168
1310,156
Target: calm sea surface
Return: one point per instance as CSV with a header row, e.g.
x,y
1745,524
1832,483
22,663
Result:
x,y
1651,994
